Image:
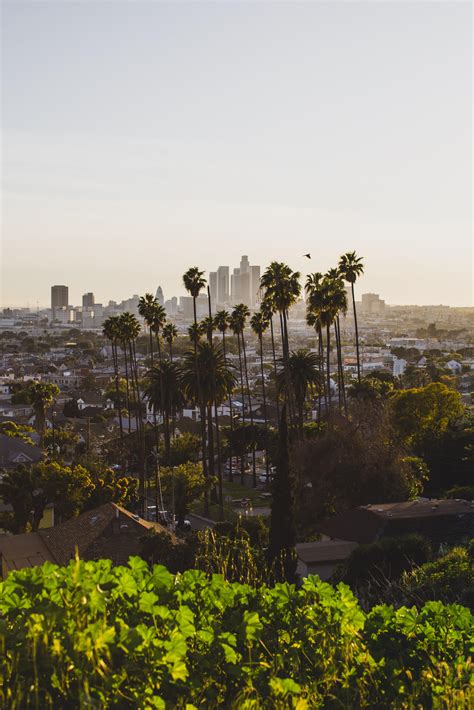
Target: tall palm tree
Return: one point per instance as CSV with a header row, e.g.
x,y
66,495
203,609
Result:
x,y
304,373
281,286
321,311
259,325
170,333
350,268
207,377
222,323
147,309
163,391
339,301
195,333
237,324
194,282
240,313
41,396
267,310
130,330
111,330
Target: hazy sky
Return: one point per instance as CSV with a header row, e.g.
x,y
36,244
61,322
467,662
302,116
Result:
x,y
141,138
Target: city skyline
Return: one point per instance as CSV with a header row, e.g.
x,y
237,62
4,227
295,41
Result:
x,y
194,138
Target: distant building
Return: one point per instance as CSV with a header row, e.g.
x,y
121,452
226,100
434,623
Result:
x,y
59,298
88,300
372,304
213,288
160,296
254,286
223,284
171,306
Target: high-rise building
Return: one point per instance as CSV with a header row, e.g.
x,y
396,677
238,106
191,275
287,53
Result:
x,y
372,303
88,300
244,265
223,284
254,286
213,288
160,296
244,283
59,297
235,286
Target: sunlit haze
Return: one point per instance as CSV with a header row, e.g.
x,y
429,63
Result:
x,y
142,138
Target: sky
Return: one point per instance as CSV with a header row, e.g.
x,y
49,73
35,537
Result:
x,y
141,138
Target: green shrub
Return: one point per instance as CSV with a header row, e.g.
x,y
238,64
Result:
x,y
384,560
95,636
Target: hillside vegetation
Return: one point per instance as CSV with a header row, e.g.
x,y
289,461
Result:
x,y
91,635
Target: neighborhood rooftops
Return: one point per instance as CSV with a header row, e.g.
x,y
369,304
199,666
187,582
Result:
x,y
440,520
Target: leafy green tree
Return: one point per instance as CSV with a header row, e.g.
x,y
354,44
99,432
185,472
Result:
x,y
425,412
182,485
19,431
41,396
184,448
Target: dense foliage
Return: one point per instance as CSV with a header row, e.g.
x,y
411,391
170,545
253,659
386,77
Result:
x,y
90,635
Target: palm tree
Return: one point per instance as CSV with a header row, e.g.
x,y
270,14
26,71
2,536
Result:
x,y
321,312
222,323
147,308
350,268
240,314
267,310
339,300
164,394
194,282
259,325
195,333
282,288
207,378
304,373
129,332
111,330
41,396
170,333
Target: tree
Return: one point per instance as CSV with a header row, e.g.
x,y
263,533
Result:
x,y
41,396
207,377
425,412
111,330
184,448
350,268
282,521
239,319
163,391
281,288
259,325
222,322
170,333
304,376
18,431
182,485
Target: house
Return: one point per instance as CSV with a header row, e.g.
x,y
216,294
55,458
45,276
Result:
x,y
90,399
14,451
449,520
322,557
46,521
109,532
454,366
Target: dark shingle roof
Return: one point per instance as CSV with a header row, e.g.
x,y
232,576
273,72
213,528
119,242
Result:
x,y
14,450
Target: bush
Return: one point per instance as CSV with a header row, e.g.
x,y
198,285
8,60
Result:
x,y
91,635
449,578
385,560
463,492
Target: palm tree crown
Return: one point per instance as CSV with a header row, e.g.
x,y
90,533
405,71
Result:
x,y
194,281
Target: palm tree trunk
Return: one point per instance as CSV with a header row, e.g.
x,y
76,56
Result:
x,y
339,383
124,347
322,388
231,475
267,468
356,331
254,469
274,366
328,364
203,414
140,426
341,364
117,389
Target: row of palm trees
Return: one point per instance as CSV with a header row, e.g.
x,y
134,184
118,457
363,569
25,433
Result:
x,y
205,375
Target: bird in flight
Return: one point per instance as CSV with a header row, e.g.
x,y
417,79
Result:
x,y
308,256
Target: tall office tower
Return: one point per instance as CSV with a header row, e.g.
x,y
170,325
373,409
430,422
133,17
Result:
x,y
235,286
245,287
244,265
88,300
59,297
213,288
160,296
254,286
223,284
186,306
